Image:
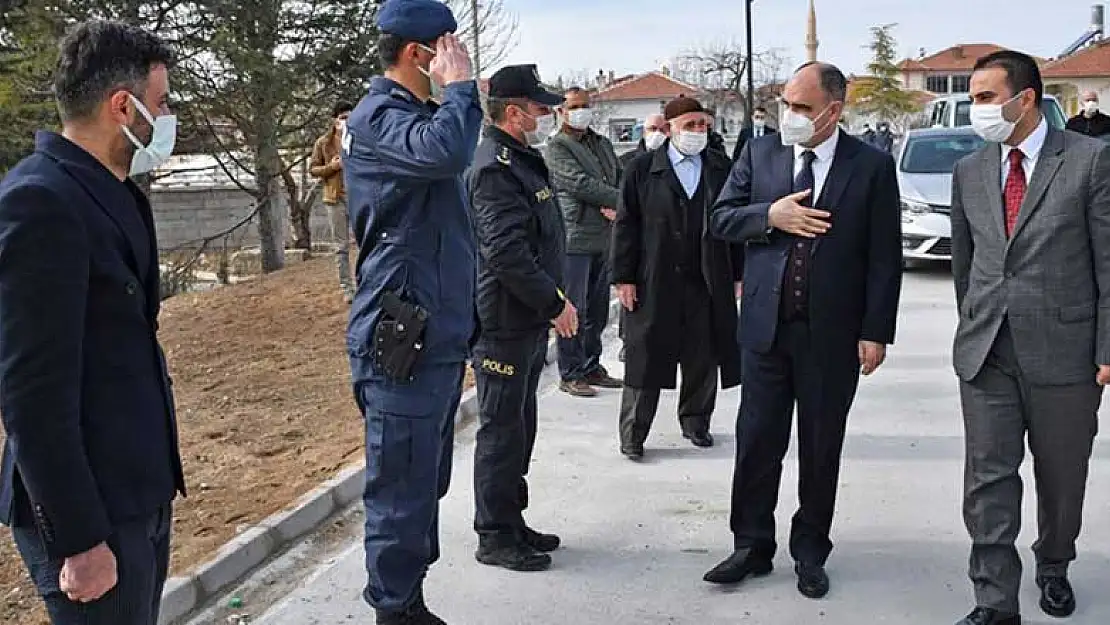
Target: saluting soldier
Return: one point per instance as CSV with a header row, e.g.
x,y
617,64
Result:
x,y
522,248
412,319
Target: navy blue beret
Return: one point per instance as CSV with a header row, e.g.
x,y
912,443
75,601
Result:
x,y
416,20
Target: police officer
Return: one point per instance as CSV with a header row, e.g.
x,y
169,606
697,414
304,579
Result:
x,y
412,318
522,245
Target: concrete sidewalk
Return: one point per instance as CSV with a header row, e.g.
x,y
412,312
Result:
x,y
638,537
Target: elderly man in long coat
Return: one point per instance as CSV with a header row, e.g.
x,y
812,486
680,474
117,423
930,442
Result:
x,y
676,282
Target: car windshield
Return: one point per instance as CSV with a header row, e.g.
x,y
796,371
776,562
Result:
x,y
937,154
1051,110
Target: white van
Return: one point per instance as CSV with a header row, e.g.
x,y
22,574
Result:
x,y
954,110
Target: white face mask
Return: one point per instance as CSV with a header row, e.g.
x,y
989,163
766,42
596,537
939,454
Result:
x,y
990,123
690,143
147,158
759,122
654,139
580,119
1090,107
545,125
434,89
795,128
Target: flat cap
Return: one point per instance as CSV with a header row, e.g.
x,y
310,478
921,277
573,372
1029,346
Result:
x,y
681,106
521,81
416,20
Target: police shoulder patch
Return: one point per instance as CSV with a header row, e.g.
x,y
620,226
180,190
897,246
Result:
x,y
503,155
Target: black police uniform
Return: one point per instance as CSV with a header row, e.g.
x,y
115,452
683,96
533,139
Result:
x,y
522,250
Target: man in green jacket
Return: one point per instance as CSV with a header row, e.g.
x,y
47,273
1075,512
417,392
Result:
x,y
586,173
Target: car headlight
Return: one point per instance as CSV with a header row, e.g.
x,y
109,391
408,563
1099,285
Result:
x,y
913,207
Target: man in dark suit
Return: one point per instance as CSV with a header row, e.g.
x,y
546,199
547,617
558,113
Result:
x,y
821,288
91,462
758,129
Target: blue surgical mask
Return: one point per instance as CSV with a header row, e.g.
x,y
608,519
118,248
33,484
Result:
x,y
148,157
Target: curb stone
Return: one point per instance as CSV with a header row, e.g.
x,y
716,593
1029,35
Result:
x,y
246,551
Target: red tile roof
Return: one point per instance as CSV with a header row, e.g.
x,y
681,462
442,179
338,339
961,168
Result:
x,y
960,57
650,86
1093,61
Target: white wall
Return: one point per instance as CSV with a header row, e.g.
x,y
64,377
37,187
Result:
x,y
1070,101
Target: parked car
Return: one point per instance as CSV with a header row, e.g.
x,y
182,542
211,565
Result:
x,y
925,163
954,110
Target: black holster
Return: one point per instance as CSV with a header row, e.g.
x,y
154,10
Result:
x,y
399,337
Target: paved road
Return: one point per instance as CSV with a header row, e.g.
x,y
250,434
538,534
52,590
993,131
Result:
x,y
639,536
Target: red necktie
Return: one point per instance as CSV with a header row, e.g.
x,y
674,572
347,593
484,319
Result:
x,y
1014,191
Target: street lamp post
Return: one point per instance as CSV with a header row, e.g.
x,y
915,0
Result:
x,y
751,79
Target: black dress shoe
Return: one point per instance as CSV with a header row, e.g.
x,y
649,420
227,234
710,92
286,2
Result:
x,y
740,565
699,439
1057,596
515,556
415,614
813,582
987,616
539,541
633,452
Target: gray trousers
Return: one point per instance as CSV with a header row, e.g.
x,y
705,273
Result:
x,y
1000,409
339,221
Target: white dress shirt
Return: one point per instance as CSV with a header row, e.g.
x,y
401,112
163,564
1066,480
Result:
x,y
757,131
687,168
825,152
1031,148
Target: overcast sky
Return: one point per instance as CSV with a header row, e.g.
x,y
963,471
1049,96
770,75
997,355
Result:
x,y
632,36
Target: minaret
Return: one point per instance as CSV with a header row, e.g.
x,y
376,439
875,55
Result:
x,y
811,33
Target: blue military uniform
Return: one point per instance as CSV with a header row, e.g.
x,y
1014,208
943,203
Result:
x,y
403,162
522,244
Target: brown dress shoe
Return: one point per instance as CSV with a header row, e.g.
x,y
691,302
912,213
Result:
x,y
602,379
577,388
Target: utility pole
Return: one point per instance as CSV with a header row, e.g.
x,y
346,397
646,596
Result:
x,y
475,10
476,26
750,102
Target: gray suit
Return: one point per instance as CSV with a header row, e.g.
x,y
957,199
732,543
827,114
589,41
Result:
x,y
1034,323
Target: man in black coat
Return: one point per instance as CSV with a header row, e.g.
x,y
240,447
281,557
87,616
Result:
x,y
676,282
757,129
1090,121
655,134
91,461
819,305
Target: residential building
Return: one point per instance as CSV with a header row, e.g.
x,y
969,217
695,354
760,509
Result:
x,y
1084,66
947,71
1087,70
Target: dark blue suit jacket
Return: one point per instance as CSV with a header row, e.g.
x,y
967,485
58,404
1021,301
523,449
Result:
x,y
856,274
84,391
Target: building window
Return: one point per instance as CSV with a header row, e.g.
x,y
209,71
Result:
x,y
621,129
960,84
936,84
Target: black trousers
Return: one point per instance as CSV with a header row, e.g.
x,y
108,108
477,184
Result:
x,y
823,390
142,550
507,373
698,364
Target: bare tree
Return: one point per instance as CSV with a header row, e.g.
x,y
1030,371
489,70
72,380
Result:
x,y
491,24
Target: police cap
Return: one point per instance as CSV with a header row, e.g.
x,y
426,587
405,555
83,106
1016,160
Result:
x,y
521,81
416,20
